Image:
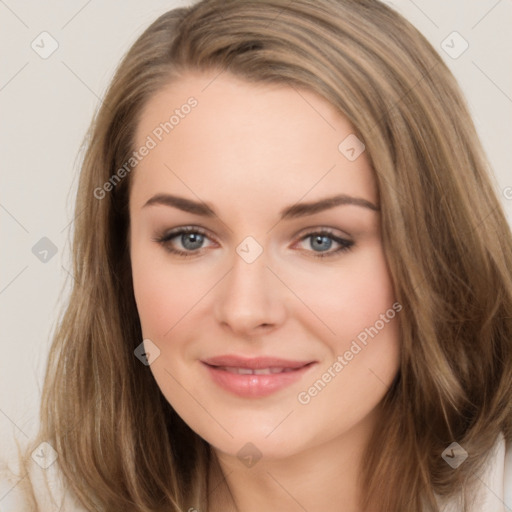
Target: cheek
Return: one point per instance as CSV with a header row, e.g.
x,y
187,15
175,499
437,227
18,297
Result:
x,y
349,298
155,300
164,292
360,320
364,351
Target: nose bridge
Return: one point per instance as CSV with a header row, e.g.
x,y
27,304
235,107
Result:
x,y
249,297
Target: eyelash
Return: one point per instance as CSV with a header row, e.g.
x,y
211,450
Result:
x,y
345,245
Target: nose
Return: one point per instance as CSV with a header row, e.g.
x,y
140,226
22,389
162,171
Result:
x,y
250,300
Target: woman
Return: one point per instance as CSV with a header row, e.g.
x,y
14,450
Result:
x,y
293,286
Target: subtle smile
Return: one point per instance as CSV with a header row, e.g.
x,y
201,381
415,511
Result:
x,y
256,377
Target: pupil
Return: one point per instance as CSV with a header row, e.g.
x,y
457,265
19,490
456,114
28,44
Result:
x,y
188,240
319,239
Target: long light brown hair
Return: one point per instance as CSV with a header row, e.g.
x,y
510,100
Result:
x,y
447,242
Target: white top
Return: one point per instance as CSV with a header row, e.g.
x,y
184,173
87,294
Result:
x,y
36,487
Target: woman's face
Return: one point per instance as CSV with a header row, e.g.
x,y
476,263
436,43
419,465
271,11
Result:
x,y
272,320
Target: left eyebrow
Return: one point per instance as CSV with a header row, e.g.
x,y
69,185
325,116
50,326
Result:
x,y
290,212
303,209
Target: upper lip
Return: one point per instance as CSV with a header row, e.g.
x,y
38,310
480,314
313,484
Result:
x,y
254,363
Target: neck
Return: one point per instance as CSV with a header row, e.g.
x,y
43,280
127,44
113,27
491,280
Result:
x,y
319,477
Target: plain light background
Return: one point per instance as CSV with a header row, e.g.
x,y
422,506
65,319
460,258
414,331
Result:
x,y
47,105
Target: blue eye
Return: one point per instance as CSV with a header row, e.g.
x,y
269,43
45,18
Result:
x,y
192,239
323,240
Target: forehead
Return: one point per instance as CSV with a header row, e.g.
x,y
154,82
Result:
x,y
240,135
236,107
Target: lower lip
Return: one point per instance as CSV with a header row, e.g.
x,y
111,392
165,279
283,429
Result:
x,y
255,386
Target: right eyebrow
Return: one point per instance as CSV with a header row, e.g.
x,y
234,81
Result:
x,y
187,205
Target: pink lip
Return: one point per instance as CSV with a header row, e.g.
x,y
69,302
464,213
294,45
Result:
x,y
254,385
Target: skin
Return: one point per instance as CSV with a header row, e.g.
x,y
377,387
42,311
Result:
x,y
250,150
